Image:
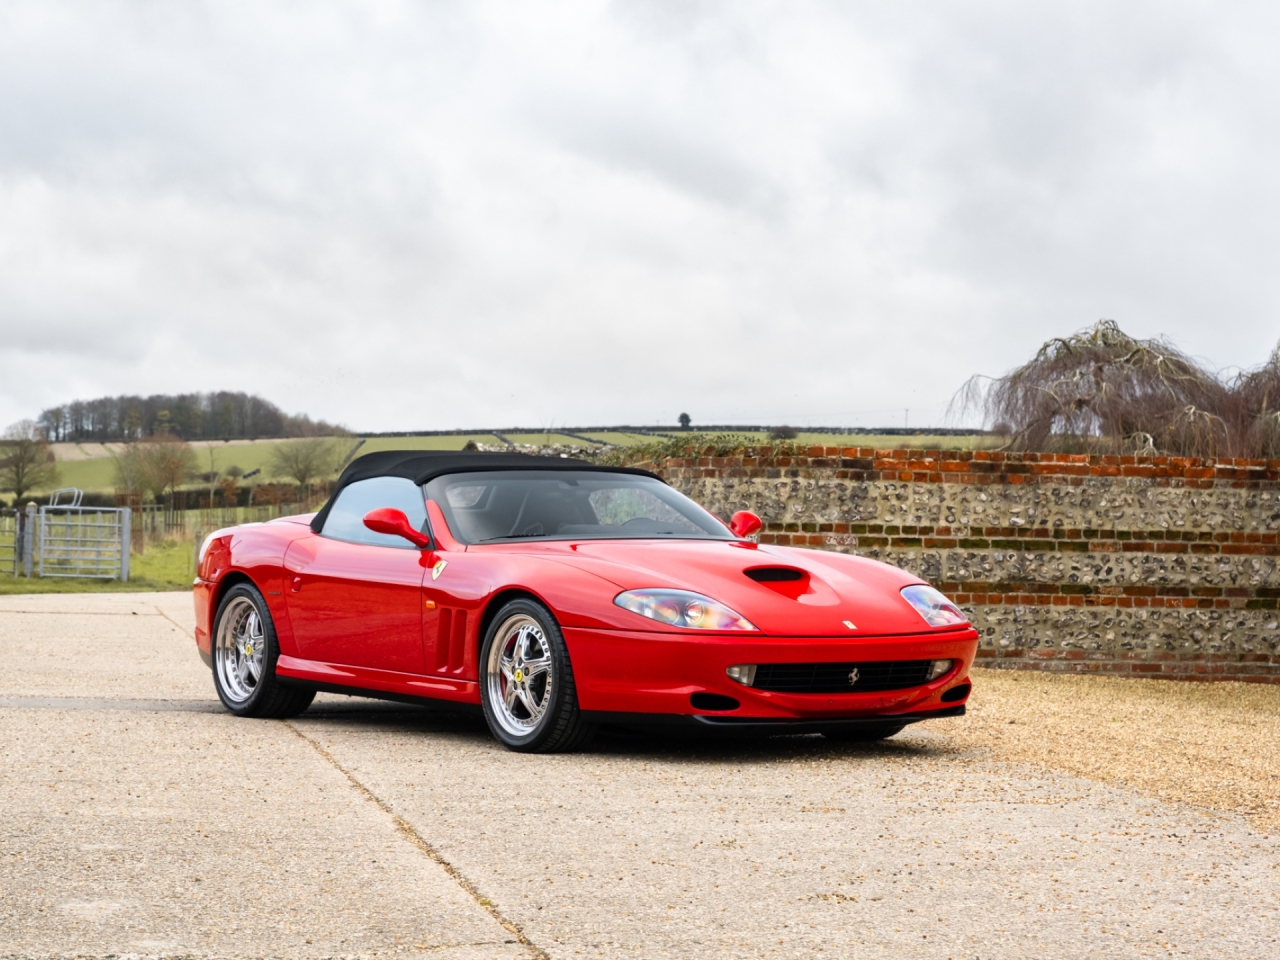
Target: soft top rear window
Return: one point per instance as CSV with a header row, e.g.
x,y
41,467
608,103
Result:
x,y
501,505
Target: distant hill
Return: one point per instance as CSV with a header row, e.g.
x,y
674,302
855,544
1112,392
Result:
x,y
192,416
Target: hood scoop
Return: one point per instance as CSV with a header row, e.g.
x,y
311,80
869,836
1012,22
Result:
x,y
776,574
788,581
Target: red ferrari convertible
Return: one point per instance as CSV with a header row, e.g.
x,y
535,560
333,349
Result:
x,y
558,596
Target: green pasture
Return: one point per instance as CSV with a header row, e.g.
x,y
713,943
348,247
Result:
x,y
878,441
169,565
452,441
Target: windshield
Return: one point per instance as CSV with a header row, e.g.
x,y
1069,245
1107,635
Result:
x,y
568,505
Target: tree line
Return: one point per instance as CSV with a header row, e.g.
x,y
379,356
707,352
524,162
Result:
x,y
156,466
222,415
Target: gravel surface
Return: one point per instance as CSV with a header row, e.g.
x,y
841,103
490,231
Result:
x,y
1213,745
1110,818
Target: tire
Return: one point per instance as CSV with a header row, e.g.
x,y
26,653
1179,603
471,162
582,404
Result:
x,y
865,733
526,682
244,659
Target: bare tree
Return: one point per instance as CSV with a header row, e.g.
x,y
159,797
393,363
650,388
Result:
x,y
167,462
1102,390
26,461
130,471
304,462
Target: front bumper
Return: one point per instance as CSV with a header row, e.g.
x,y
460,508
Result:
x,y
634,672
202,596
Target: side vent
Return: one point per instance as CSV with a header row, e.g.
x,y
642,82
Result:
x,y
458,644
774,574
444,630
451,641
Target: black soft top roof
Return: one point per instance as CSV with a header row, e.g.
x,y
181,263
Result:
x,y
423,465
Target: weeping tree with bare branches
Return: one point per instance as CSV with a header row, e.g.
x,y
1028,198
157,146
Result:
x,y
1100,390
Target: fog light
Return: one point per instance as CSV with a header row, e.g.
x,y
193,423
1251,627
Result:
x,y
745,673
939,667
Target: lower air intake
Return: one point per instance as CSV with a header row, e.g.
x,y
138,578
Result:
x,y
841,677
713,701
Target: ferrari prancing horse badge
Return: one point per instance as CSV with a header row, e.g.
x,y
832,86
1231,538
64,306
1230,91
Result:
x,y
438,569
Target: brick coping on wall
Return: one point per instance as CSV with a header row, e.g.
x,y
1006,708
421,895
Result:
x,y
1242,668
975,466
1044,539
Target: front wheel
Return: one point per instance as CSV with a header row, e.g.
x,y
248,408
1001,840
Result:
x,y
526,682
244,659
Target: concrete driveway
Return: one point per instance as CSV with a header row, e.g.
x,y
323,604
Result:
x,y
136,818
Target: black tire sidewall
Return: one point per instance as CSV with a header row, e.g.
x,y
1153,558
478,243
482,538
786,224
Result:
x,y
564,692
255,703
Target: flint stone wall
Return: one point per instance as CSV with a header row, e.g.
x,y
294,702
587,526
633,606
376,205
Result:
x,y
1145,566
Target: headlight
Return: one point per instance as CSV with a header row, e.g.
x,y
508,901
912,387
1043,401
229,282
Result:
x,y
681,608
936,609
204,548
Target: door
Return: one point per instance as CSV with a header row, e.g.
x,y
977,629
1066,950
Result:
x,y
354,596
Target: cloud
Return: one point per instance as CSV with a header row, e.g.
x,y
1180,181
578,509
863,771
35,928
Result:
x,y
422,215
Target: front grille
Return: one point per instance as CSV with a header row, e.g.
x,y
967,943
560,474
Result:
x,y
834,677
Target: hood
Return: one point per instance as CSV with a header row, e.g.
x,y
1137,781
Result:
x,y
782,590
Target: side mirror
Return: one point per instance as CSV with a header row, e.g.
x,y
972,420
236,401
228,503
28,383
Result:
x,y
393,521
744,523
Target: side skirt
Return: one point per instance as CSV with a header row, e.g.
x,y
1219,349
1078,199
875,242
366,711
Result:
x,y
432,703
383,684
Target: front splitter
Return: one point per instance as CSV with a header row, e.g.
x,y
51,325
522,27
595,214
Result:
x,y
726,724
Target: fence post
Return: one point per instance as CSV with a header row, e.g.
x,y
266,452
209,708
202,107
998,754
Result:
x,y
17,539
29,539
126,537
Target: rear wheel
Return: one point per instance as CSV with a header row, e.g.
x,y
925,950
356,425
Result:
x,y
864,733
244,659
526,682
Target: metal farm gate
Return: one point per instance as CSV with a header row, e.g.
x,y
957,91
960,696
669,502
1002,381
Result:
x,y
10,548
76,541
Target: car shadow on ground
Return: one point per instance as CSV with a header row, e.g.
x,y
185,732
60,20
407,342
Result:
x,y
658,743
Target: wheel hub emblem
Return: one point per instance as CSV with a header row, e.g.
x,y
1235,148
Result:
x,y
853,676
519,675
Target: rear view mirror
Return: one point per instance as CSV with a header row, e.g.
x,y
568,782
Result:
x,y
744,523
393,521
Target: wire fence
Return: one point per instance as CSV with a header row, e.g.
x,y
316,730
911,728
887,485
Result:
x,y
153,523
97,542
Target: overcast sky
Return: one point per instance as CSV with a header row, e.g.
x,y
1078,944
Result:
x,y
435,215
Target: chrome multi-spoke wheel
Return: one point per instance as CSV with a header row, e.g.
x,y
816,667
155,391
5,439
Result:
x,y
244,659
239,649
521,675
526,684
